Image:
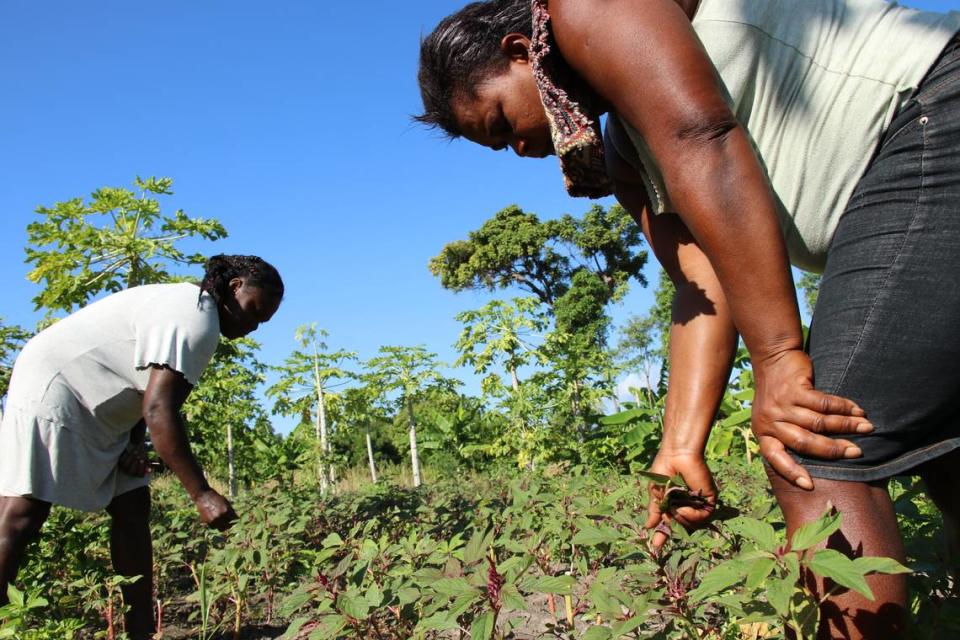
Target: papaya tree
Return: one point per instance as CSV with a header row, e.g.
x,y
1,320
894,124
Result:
x,y
12,338
501,333
306,377
361,408
117,239
407,371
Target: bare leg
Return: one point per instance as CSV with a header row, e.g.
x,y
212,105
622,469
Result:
x,y
942,477
20,522
131,550
869,529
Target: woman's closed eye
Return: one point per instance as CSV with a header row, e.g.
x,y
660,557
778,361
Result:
x,y
500,131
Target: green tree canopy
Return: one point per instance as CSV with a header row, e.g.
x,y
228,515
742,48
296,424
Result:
x,y
501,332
118,239
515,248
809,285
607,243
12,338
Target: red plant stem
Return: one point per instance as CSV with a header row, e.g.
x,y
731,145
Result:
x,y
111,634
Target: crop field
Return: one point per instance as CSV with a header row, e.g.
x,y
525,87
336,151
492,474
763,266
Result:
x,y
560,553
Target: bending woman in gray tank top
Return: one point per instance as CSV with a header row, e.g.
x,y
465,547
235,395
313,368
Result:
x,y
743,135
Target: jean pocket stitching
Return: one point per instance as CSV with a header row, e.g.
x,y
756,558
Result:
x,y
934,90
914,124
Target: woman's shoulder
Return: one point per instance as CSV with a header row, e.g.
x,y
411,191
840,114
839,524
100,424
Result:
x,y
181,303
571,17
166,293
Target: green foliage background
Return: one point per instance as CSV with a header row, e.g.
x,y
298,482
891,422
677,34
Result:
x,y
529,520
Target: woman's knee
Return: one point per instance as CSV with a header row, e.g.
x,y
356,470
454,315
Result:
x,y
21,518
868,528
133,506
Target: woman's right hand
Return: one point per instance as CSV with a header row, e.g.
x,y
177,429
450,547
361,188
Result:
x,y
215,510
790,415
692,467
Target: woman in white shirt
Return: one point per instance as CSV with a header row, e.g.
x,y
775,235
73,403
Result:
x,y
84,391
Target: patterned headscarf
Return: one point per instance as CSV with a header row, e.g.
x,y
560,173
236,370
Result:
x,y
577,138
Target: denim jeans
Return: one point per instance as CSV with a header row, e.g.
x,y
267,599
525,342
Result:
x,y
886,328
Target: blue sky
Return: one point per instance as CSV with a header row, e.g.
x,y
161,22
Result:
x,y
287,121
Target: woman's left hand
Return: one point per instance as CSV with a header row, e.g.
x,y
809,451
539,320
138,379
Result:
x,y
133,460
788,413
692,467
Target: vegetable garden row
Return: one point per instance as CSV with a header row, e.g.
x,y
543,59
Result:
x,y
561,553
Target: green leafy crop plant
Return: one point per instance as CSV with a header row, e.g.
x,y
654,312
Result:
x,y
561,553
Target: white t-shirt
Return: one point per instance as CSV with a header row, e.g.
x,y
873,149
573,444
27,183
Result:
x,y
103,352
77,390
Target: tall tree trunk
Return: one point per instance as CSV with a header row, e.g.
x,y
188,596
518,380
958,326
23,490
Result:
x,y
613,393
321,432
414,455
514,379
373,466
231,469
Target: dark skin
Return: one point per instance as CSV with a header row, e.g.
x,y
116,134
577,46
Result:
x,y
644,63
130,542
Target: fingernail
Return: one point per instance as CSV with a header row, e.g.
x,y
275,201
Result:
x,y
864,427
859,413
804,483
852,452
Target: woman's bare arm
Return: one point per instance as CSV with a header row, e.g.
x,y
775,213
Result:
x,y
644,59
702,344
165,394
703,338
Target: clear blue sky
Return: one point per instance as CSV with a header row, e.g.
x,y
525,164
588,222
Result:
x,y
287,121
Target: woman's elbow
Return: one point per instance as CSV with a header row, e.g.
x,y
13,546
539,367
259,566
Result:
x,y
156,412
706,129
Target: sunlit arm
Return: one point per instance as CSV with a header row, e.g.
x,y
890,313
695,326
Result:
x,y
644,60
702,334
164,397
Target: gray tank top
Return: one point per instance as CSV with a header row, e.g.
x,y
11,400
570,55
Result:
x,y
815,83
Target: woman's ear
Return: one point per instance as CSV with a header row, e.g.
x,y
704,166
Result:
x,y
516,46
235,284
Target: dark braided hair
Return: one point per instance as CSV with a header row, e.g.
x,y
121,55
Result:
x,y
221,269
462,51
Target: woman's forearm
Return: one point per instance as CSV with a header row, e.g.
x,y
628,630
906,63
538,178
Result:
x,y
169,437
702,344
729,208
